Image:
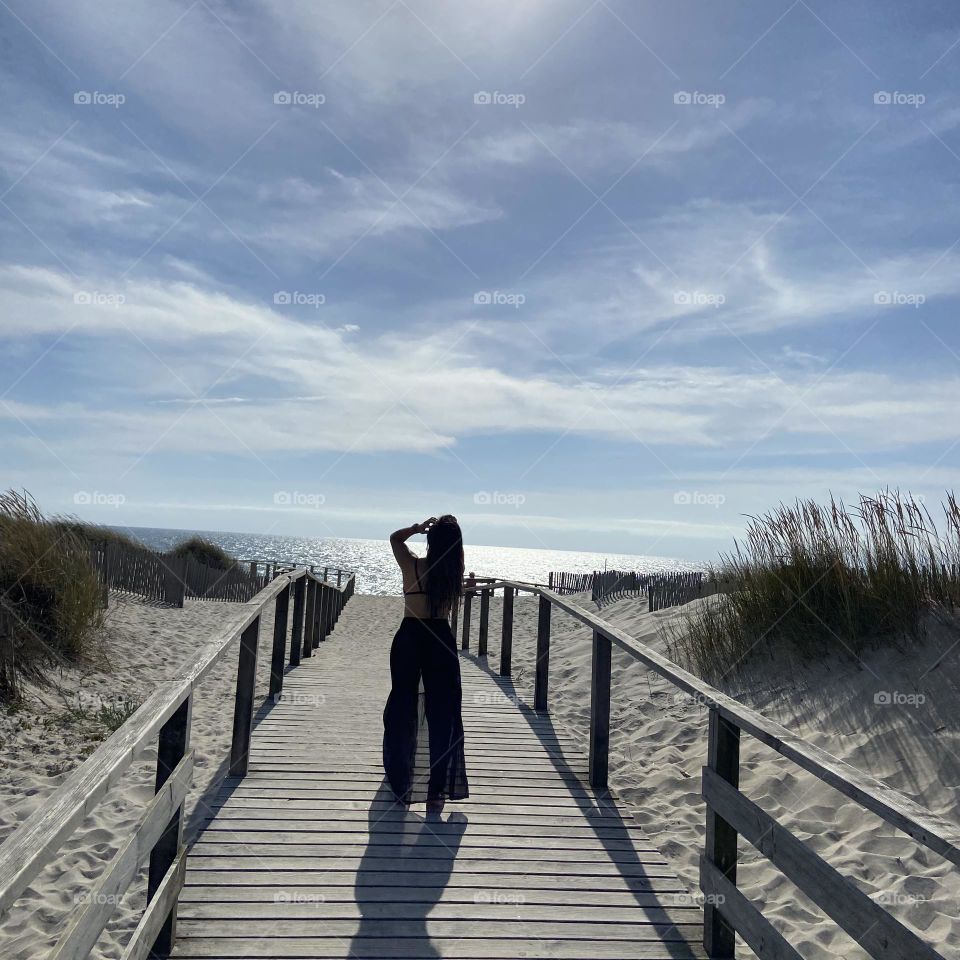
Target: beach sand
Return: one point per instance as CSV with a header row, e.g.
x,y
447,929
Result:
x,y
658,748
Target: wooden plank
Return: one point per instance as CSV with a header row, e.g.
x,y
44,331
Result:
x,y
279,651
101,900
460,882
389,947
467,603
407,844
589,867
590,930
600,711
741,915
243,701
484,623
866,921
542,681
488,907
658,894
172,748
296,631
506,634
327,854
720,845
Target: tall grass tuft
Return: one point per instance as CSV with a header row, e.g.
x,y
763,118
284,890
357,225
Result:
x,y
50,598
814,579
95,533
203,551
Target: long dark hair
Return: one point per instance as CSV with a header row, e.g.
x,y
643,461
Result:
x,y
444,577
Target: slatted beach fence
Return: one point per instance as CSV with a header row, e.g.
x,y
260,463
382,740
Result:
x,y
610,585
138,571
163,578
164,719
564,583
673,589
731,814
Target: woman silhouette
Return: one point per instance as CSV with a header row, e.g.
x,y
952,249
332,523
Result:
x,y
424,649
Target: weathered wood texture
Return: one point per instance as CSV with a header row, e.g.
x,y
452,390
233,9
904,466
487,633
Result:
x,y
308,856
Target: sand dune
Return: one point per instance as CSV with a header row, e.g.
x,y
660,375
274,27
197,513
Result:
x,y
659,746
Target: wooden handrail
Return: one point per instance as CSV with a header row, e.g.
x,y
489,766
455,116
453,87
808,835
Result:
x,y
728,719
163,717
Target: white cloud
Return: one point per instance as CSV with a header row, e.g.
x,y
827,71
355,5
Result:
x,y
386,392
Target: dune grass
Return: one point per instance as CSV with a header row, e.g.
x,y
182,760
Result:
x,y
95,533
814,579
50,597
203,551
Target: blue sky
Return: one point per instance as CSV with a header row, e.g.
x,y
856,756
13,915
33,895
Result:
x,y
602,275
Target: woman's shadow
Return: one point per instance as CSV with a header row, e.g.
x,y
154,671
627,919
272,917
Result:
x,y
402,876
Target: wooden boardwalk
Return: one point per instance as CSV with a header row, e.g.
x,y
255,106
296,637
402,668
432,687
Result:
x,y
308,857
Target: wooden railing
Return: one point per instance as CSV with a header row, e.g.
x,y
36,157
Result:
x,y
165,717
730,813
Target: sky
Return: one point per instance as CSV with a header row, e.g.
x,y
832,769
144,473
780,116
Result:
x,y
596,275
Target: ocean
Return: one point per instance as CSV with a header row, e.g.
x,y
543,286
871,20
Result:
x,y
377,572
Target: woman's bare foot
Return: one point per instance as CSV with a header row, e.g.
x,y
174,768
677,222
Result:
x,y
435,805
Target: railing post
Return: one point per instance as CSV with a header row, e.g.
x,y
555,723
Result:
x,y
323,619
723,757
243,702
296,632
339,576
280,612
172,746
542,682
600,710
317,614
484,622
308,619
506,634
467,603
